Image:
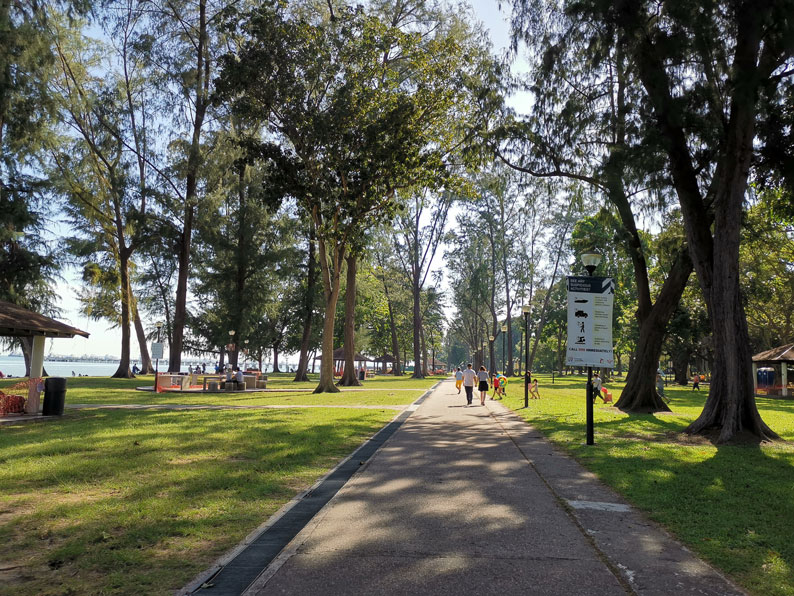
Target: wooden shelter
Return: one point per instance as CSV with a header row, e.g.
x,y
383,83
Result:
x,y
779,359
339,358
16,321
384,360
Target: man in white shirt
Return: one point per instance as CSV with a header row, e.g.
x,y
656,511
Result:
x,y
468,383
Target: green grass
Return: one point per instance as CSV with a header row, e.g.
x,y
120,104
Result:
x,y
733,505
284,381
376,392
138,502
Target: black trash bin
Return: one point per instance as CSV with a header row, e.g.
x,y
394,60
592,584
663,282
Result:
x,y
54,396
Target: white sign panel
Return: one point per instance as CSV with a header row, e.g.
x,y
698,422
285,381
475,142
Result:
x,y
157,349
590,321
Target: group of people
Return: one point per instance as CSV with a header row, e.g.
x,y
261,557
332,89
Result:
x,y
467,378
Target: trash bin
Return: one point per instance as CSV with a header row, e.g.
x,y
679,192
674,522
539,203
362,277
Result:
x,y
54,396
362,375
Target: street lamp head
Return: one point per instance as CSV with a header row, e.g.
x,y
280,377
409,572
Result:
x,y
590,260
525,309
158,324
504,327
231,332
491,338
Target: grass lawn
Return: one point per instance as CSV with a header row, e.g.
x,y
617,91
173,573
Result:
x,y
733,505
284,381
376,392
138,502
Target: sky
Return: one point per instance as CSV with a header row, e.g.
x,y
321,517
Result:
x,y
105,341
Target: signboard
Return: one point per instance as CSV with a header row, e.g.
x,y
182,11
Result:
x,y
590,321
157,350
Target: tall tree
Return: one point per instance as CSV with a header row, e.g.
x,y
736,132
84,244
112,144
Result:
x,y
587,93
28,263
90,166
361,109
733,52
420,228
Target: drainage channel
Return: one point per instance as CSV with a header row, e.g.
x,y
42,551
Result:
x,y
238,573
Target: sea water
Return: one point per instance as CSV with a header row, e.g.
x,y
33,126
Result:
x,y
15,366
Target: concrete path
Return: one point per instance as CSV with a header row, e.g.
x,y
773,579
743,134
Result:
x,y
471,500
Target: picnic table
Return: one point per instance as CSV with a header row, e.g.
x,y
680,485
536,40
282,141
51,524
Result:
x,y
207,378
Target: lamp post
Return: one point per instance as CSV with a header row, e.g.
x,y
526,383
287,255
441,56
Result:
x,y
504,331
159,325
484,347
525,310
245,353
590,260
230,347
491,338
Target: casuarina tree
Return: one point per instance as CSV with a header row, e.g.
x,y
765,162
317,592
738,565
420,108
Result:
x,y
356,109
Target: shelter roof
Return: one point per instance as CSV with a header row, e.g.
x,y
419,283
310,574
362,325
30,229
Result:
x,y
339,354
16,321
384,358
780,354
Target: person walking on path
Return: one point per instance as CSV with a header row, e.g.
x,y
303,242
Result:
x,y
696,383
482,375
468,383
458,378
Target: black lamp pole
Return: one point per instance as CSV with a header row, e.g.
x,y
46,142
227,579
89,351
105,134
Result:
x,y
525,308
504,331
159,326
590,261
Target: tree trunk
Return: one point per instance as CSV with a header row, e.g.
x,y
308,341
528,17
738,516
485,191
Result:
x,y
303,361
146,360
123,371
730,407
681,366
639,395
191,195
545,308
395,344
180,303
276,368
417,326
331,283
423,343
350,375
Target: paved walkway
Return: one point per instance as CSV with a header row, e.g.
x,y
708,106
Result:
x,y
473,501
